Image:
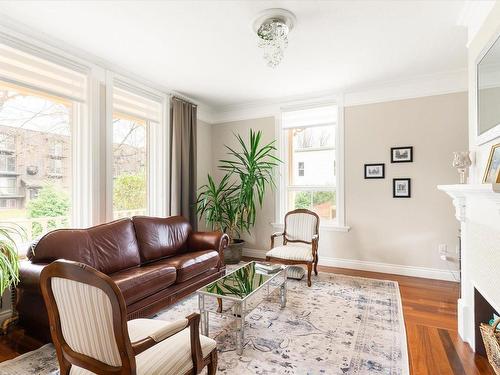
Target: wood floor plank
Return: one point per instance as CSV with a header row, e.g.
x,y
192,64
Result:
x,y
418,365
451,353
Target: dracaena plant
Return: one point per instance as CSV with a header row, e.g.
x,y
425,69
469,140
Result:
x,y
231,205
9,259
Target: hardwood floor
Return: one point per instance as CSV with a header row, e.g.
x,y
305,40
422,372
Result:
x,y
429,308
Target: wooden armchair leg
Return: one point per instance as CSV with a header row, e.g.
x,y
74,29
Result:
x,y
309,272
212,366
316,266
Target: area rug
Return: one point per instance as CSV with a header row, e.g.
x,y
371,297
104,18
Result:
x,y
341,325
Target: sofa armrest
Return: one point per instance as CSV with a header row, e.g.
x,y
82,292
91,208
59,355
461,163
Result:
x,y
216,240
29,275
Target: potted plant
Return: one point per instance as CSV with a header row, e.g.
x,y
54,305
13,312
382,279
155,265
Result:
x,y
9,260
9,264
231,205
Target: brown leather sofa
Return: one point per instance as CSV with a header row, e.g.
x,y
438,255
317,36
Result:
x,y
154,262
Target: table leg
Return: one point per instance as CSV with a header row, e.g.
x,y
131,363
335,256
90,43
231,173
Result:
x,y
207,328
203,314
240,327
219,302
283,291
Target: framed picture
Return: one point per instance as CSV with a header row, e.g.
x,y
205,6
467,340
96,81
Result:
x,y
491,173
401,188
402,154
374,171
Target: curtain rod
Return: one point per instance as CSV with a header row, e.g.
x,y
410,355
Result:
x,y
184,100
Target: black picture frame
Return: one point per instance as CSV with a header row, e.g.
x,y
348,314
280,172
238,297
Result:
x,y
394,183
367,177
407,160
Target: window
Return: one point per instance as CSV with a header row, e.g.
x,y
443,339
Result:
x,y
7,163
135,115
301,169
42,105
7,203
57,149
7,142
56,168
8,186
309,139
129,167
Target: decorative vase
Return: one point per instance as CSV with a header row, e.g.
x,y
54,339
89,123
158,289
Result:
x,y
461,161
234,252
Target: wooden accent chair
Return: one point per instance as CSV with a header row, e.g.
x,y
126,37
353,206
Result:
x,y
301,226
89,328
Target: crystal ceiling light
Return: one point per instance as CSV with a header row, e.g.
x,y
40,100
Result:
x,y
272,28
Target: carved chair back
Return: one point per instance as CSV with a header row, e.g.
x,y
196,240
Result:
x,y
300,226
88,320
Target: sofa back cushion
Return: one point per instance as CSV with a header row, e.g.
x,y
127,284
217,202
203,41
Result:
x,y
109,247
161,237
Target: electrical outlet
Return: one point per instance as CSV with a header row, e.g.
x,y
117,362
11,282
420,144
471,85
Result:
x,y
443,257
442,249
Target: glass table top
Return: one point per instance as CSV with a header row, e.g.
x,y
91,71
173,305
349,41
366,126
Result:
x,y
240,283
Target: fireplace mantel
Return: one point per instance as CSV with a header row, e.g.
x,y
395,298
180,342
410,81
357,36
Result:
x,y
461,192
477,207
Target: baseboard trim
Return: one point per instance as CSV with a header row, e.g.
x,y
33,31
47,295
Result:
x,y
363,265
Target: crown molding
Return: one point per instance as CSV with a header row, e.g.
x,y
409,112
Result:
x,y
473,15
413,87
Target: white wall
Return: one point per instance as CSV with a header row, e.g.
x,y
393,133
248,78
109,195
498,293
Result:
x,y
400,232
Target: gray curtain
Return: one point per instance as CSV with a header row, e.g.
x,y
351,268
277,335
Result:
x,y
183,122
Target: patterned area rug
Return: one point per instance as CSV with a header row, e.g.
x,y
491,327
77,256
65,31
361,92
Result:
x,y
341,325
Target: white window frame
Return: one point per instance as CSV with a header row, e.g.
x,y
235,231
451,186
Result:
x,y
84,124
339,224
157,149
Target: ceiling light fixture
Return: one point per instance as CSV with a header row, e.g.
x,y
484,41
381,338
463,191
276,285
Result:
x,y
272,27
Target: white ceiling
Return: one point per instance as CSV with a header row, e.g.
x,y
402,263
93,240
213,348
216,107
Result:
x,y
207,50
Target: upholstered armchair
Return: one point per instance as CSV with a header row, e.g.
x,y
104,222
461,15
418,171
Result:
x,y
90,332
301,227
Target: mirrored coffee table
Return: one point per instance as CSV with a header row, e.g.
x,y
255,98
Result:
x,y
242,289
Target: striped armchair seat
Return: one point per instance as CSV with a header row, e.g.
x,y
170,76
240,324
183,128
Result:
x,y
300,241
290,252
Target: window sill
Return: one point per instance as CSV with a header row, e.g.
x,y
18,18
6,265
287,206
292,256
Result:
x,y
325,227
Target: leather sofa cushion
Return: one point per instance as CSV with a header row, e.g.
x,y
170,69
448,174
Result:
x,y
141,282
108,247
192,264
161,237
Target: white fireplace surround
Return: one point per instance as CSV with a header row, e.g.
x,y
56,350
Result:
x,y
477,207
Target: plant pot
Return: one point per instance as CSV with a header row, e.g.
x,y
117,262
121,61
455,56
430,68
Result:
x,y
234,251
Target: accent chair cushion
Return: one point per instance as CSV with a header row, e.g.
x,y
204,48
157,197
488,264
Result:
x,y
192,264
295,272
109,247
171,356
289,252
301,226
141,282
161,237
